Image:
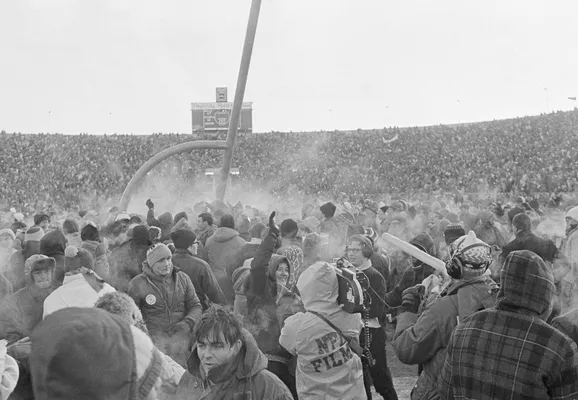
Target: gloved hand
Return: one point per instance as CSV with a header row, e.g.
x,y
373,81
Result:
x,y
150,204
273,228
411,299
407,279
181,328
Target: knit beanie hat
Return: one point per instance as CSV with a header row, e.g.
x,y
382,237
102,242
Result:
x,y
34,234
183,238
7,232
256,230
239,277
157,253
328,209
474,254
573,213
453,232
8,372
76,258
424,242
72,358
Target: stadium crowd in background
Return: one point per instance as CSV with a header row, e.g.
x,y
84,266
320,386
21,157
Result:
x,y
530,154
230,300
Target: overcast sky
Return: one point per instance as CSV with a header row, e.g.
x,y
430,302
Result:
x,y
124,66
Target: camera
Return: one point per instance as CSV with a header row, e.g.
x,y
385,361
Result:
x,y
351,286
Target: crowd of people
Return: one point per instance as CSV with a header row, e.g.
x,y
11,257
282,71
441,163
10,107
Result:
x,y
530,154
227,301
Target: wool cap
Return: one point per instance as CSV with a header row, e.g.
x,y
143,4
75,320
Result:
x,y
573,213
424,242
157,253
74,347
183,238
453,232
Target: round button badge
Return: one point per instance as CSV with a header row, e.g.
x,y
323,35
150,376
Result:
x,y
151,299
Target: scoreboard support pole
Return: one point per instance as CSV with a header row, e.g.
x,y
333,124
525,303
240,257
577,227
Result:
x,y
238,101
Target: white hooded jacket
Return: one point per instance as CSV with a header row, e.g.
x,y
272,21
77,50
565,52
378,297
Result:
x,y
327,368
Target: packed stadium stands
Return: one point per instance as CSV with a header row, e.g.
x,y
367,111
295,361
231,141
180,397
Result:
x,y
526,154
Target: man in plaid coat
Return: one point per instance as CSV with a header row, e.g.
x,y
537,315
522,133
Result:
x,y
510,352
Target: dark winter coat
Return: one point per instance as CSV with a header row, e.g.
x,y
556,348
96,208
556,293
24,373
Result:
x,y
21,312
202,277
207,233
171,299
423,339
244,378
545,248
510,352
222,248
266,310
126,262
52,245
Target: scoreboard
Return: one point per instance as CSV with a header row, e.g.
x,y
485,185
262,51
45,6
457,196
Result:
x,y
213,117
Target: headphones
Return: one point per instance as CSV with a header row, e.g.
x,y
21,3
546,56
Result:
x,y
455,266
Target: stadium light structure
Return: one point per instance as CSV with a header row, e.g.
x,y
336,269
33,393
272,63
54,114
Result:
x,y
227,145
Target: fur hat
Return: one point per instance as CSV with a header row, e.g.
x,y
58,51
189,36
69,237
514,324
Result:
x,y
157,253
424,242
328,209
155,233
76,258
38,262
183,238
34,234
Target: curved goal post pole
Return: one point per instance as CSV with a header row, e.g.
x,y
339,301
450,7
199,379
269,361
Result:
x,y
160,157
239,94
